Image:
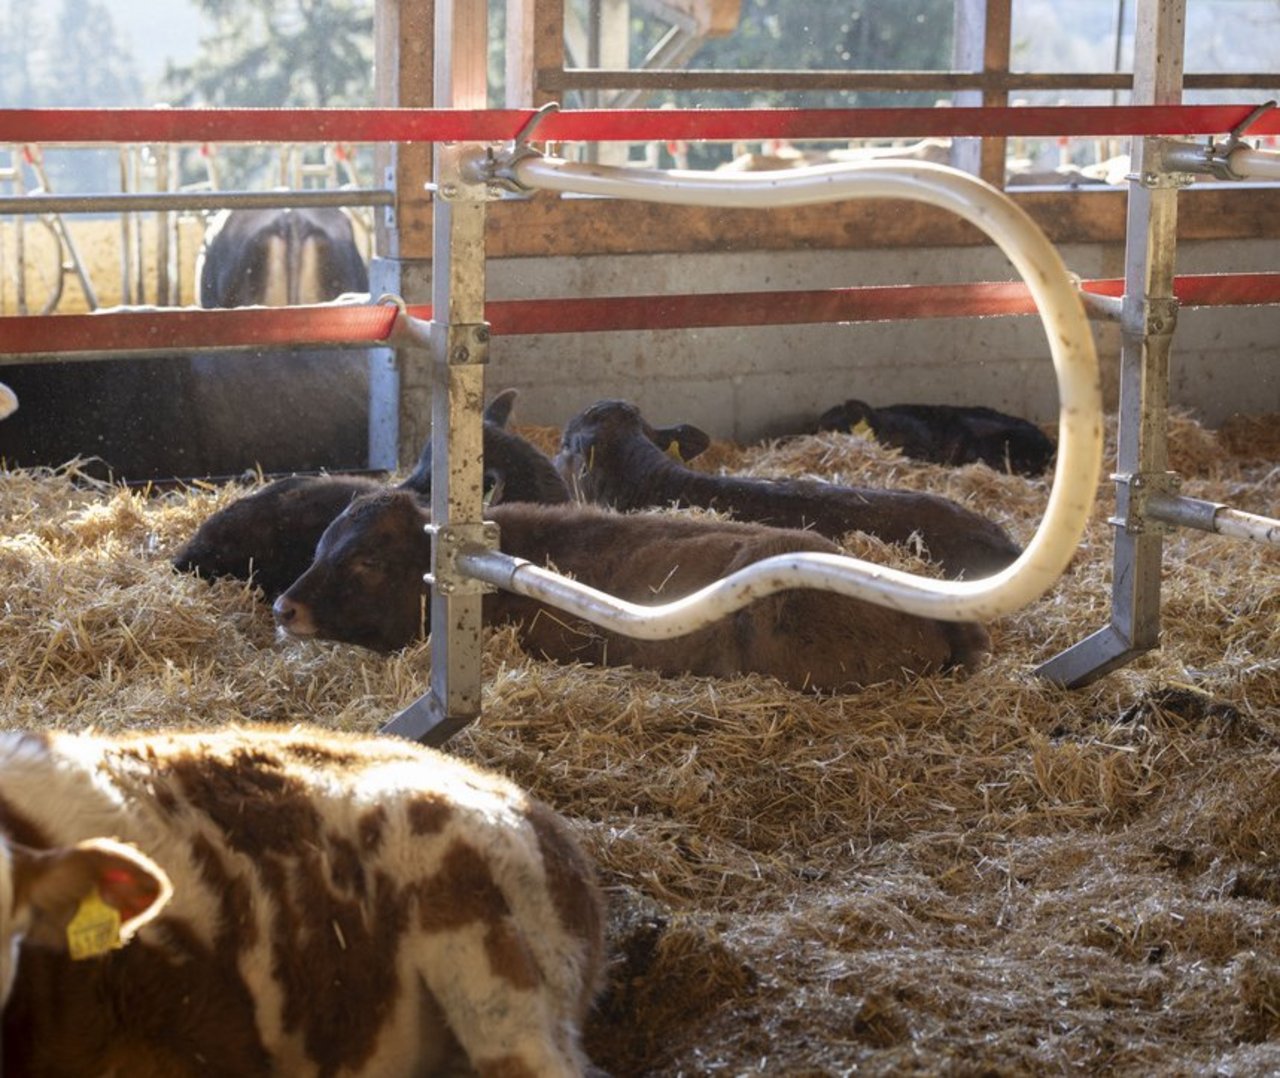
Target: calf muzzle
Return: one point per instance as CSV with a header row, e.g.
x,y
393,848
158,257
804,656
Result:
x,y
293,617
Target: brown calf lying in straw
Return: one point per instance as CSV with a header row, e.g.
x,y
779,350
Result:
x,y
271,534
365,587
300,902
611,456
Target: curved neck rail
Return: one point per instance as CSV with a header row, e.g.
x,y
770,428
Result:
x,y
1071,346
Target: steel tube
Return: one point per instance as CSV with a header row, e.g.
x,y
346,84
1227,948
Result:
x,y
590,78
1241,163
1149,315
1070,341
1251,164
1236,524
189,200
1213,517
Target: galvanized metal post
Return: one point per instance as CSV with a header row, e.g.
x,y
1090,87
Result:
x,y
1149,314
460,340
399,379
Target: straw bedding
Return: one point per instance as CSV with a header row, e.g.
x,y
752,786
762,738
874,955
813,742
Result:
x,y
981,876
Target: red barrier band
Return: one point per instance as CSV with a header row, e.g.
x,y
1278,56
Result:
x,y
176,331
626,125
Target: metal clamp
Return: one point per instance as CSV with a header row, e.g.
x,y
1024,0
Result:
x,y
1134,492
460,343
496,168
448,542
1153,317
1213,157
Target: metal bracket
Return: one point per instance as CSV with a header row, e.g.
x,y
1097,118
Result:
x,y
448,542
457,159
1153,317
1173,170
1213,157
496,168
457,344
1134,491
389,182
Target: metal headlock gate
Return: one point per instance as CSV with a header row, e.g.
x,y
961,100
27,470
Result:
x,y
465,561
454,343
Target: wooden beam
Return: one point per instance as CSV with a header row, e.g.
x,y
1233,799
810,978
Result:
x,y
403,34
995,60
548,47
548,225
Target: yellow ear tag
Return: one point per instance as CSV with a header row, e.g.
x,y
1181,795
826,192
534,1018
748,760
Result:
x,y
863,428
95,929
673,451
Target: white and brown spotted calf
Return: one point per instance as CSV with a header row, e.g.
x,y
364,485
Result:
x,y
365,587
300,902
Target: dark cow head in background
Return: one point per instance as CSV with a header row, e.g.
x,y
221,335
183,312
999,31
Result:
x,y
277,257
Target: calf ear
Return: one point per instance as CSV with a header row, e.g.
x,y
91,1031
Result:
x,y
683,439
499,410
88,898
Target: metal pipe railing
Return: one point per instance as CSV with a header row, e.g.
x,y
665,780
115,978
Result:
x,y
1070,340
1254,164
1212,517
192,200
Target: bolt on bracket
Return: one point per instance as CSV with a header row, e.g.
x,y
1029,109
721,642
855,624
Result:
x,y
496,167
1134,492
448,542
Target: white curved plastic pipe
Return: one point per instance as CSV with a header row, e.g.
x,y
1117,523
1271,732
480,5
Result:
x,y
1070,342
1254,164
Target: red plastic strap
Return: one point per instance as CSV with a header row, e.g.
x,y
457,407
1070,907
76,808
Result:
x,y
881,303
627,125
176,331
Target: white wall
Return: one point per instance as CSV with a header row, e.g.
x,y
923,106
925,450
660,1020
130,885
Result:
x,y
763,381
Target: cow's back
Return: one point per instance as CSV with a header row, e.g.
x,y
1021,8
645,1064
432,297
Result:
x,y
806,637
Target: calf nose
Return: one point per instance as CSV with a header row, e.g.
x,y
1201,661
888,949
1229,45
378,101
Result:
x,y
292,616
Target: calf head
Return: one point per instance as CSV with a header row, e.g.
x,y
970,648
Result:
x,y
271,534
88,898
610,440
515,470
845,417
365,584
1021,448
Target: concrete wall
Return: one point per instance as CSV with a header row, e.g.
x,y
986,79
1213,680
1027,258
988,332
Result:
x,y
764,381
